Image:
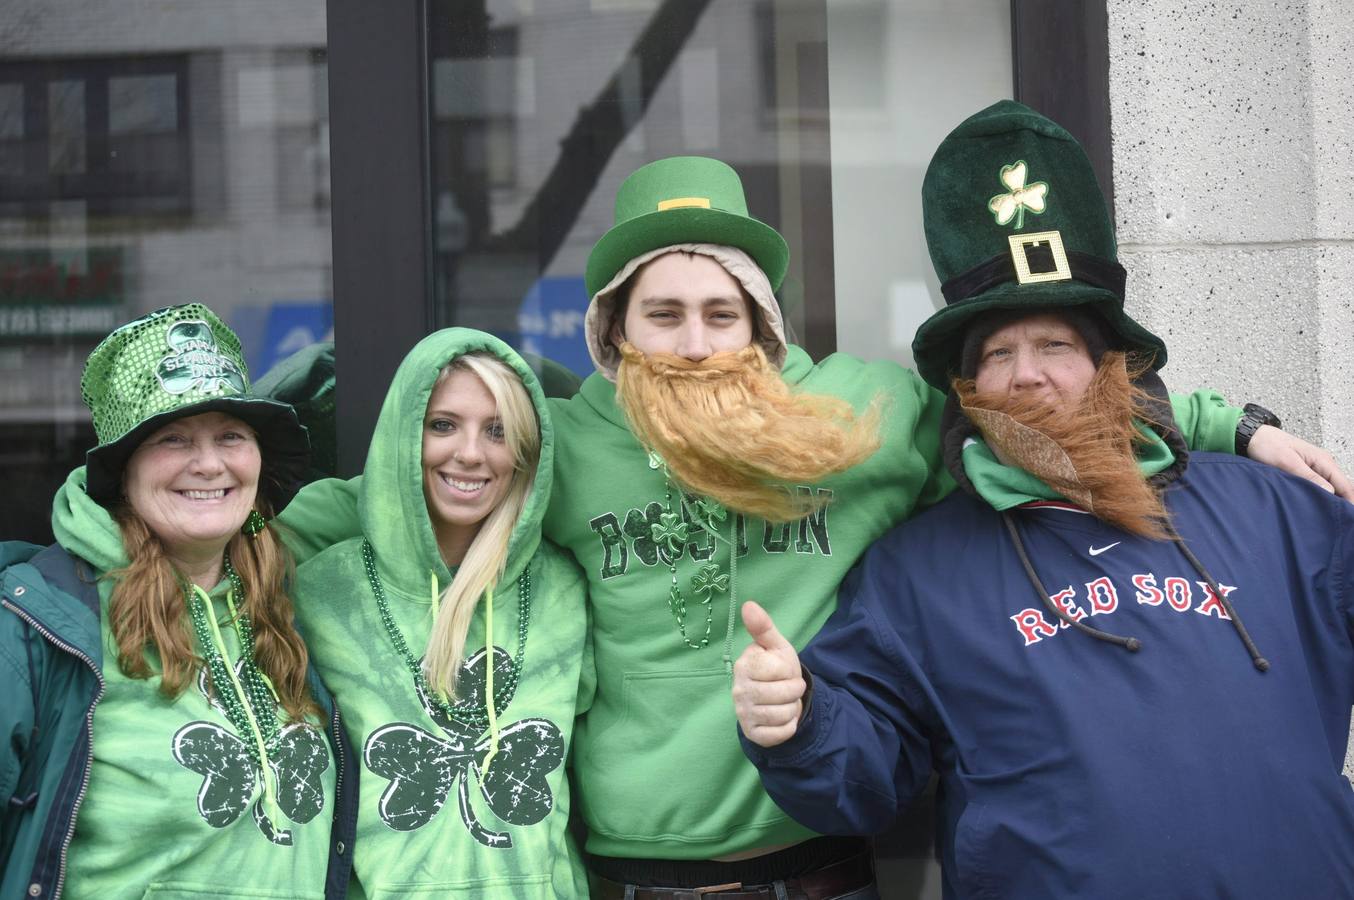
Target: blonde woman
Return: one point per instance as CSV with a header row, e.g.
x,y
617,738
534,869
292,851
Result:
x,y
453,637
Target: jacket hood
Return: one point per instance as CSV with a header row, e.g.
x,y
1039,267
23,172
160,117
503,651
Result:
x,y
597,324
392,509
85,528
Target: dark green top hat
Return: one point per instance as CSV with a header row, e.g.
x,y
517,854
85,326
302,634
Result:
x,y
1014,219
682,200
175,362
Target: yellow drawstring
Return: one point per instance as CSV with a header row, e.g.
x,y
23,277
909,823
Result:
x,y
436,598
235,620
489,681
269,786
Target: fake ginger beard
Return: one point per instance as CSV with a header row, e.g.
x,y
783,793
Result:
x,y
730,428
1083,450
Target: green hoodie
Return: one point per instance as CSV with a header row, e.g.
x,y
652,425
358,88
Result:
x,y
175,806
429,821
659,770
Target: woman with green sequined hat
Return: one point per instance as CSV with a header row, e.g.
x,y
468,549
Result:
x,y
453,636
202,755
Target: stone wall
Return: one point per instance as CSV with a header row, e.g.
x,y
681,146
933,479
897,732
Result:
x,y
1233,128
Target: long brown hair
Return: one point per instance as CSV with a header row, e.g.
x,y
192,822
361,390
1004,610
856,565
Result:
x,y
147,611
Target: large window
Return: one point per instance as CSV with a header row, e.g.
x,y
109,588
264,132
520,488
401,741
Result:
x,y
829,111
538,111
149,157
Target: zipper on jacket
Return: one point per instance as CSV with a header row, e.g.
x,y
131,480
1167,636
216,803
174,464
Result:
x,y
336,729
89,730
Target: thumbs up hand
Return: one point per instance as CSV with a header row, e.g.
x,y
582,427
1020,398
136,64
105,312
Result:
x,y
768,686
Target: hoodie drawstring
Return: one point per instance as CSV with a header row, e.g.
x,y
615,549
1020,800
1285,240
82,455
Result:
x,y
489,680
1256,659
1131,644
269,780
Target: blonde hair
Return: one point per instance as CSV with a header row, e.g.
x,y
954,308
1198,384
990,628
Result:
x,y
147,610
487,555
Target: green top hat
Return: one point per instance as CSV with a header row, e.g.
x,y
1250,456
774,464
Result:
x,y
175,362
682,200
1014,219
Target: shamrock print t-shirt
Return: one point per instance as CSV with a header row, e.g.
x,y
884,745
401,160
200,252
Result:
x,y
175,805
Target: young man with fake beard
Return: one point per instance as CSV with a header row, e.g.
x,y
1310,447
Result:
x,y
1062,640
708,462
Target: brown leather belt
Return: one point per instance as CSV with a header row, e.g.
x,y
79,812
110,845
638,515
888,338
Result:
x,y
830,881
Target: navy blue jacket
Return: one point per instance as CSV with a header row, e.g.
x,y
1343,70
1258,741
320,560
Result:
x,y
51,661
1071,767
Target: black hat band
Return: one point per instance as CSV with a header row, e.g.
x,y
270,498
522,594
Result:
x,y
1040,259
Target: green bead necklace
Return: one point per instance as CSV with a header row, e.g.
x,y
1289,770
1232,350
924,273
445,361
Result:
x,y
474,716
259,695
670,534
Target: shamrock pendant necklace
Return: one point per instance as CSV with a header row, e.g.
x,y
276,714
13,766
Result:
x,y
254,685
671,533
472,716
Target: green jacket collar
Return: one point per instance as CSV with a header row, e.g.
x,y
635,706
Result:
x,y
1005,487
68,618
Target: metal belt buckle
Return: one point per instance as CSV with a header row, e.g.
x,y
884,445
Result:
x,y
1022,242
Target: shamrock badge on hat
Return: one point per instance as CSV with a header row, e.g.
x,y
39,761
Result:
x,y
1020,197
424,768
195,362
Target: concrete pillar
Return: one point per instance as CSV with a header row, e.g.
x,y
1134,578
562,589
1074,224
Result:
x,y
1233,129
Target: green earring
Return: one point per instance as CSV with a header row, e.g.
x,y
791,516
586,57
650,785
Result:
x,y
254,523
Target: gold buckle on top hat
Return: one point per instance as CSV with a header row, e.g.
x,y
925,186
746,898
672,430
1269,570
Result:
x,y
1020,243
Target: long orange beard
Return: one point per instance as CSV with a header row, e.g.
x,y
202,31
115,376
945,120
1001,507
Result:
x,y
1084,451
730,428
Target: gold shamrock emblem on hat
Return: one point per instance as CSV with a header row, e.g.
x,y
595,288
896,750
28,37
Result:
x,y
1012,205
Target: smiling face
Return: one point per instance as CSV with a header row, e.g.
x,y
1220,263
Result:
x,y
467,463
1038,357
193,482
686,304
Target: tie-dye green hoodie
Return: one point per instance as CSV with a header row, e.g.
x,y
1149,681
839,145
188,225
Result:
x,y
176,806
430,821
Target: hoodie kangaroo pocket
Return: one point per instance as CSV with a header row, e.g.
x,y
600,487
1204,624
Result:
x,y
676,746
522,887
191,890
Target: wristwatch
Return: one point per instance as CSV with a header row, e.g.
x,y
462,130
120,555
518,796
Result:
x,y
1253,416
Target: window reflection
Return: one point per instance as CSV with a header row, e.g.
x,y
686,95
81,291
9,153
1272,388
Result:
x,y
539,110
150,157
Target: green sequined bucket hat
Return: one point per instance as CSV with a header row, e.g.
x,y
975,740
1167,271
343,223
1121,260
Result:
x,y
1015,219
682,200
175,362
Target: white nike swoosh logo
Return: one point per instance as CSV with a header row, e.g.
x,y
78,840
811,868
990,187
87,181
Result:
x,y
1096,551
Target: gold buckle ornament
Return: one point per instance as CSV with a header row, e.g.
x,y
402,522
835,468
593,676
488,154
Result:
x,y
1020,243
681,202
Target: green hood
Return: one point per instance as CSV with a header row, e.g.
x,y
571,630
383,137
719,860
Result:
x,y
85,528
391,507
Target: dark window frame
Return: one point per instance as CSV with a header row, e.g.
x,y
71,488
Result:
x,y
99,185
381,196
